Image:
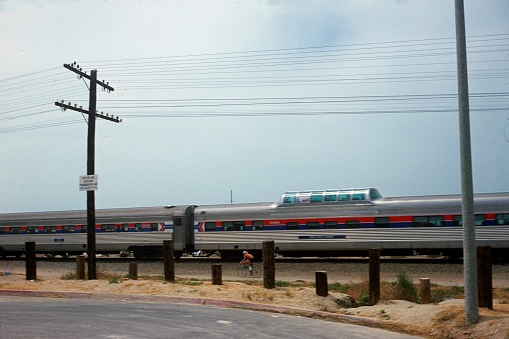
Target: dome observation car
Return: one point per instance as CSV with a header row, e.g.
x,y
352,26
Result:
x,y
329,196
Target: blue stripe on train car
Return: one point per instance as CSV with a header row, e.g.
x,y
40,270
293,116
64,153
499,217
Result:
x,y
322,236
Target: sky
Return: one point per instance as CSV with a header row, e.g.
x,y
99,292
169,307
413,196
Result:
x,y
240,101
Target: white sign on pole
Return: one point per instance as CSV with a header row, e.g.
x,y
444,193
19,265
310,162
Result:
x,y
88,182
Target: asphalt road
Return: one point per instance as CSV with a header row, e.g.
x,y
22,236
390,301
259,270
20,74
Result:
x,y
36,317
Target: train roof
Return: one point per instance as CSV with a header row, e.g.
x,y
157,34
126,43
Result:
x,y
329,196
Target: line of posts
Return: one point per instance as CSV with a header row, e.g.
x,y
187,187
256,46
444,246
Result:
x,y
484,270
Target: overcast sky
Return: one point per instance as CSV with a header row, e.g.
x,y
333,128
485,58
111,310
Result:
x,y
252,98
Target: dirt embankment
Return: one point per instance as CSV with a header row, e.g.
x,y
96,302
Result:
x,y
438,320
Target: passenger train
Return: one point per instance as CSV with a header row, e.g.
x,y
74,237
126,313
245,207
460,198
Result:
x,y
339,222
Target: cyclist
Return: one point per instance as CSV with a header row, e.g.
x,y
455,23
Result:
x,y
248,261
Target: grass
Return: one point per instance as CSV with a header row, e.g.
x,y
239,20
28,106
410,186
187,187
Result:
x,y
401,289
68,276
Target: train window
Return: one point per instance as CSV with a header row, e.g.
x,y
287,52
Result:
x,y
15,230
480,220
32,229
330,197
227,225
2,230
502,219
68,228
108,228
420,221
381,222
84,228
352,224
317,198
303,198
137,227
233,225
289,199
292,225
239,225
457,220
437,220
331,224
125,227
358,196
154,227
313,224
210,226
374,194
425,221
50,229
257,225
344,196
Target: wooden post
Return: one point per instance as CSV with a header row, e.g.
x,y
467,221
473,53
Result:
x,y
80,267
425,290
322,288
484,277
374,276
31,263
269,265
169,261
217,272
133,271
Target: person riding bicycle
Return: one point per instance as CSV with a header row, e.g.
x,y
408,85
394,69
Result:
x,y
248,261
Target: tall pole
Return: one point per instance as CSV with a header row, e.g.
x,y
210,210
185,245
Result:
x,y
469,250
92,115
92,271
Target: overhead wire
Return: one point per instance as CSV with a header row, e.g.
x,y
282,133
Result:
x,y
286,67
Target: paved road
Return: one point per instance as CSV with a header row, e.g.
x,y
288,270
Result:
x,y
36,317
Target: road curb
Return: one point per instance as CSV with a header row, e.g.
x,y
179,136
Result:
x,y
352,319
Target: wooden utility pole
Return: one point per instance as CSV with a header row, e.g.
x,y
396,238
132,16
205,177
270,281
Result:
x,y
92,114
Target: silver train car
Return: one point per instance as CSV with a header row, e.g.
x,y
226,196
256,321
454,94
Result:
x,y
343,222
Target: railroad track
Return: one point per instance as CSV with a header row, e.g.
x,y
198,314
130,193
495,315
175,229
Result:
x,y
215,259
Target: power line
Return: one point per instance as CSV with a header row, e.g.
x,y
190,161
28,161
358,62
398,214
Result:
x,y
312,68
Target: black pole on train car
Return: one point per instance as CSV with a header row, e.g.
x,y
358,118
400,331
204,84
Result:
x,y
92,115
469,250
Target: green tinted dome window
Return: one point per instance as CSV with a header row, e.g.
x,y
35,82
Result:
x,y
355,195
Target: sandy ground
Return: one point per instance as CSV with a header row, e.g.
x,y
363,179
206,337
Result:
x,y
443,320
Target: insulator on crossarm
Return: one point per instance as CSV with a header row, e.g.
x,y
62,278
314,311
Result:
x,y
62,101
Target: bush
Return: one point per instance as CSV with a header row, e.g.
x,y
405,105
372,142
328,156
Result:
x,y
405,288
68,276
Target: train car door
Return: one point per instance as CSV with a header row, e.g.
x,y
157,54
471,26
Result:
x,y
183,229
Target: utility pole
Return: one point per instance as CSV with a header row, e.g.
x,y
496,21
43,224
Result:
x,y
92,114
467,191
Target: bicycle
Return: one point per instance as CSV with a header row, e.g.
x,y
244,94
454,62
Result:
x,y
243,270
